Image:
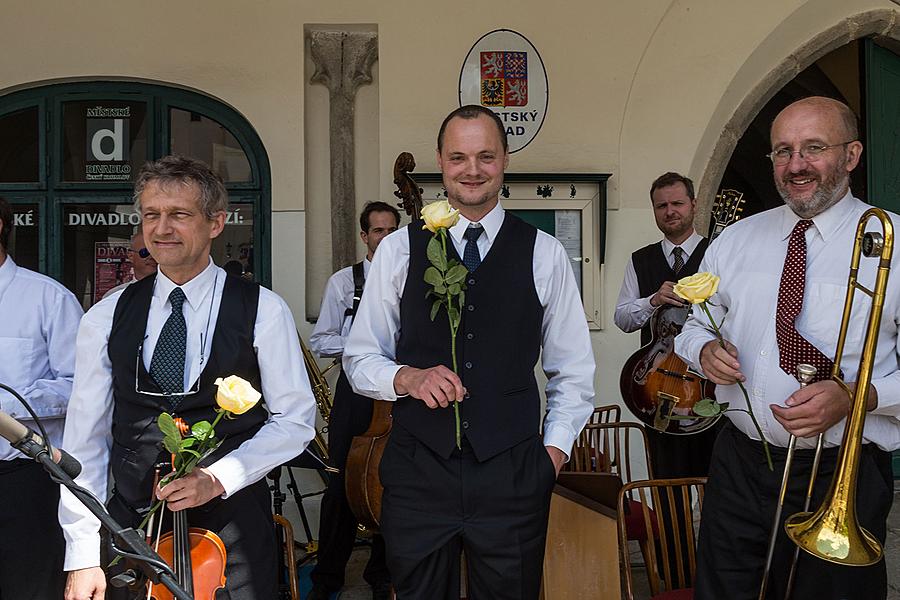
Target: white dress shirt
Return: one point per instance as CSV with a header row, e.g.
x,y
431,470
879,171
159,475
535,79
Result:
x,y
567,358
285,387
38,322
329,336
632,311
749,257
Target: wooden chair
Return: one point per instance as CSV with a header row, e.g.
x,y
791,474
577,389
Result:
x,y
610,413
660,549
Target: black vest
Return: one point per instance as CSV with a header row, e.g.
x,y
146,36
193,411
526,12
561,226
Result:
x,y
498,344
136,437
653,270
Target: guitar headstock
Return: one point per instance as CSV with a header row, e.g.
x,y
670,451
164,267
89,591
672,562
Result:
x,y
726,210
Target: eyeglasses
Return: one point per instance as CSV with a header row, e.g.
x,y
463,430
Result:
x,y
137,384
809,153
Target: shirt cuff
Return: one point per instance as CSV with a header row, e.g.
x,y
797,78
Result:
x,y
560,436
82,553
230,473
385,382
887,403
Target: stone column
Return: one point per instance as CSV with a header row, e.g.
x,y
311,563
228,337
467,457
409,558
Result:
x,y
343,61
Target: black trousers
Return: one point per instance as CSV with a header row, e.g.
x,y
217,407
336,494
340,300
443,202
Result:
x,y
244,522
350,416
674,456
496,511
739,509
31,540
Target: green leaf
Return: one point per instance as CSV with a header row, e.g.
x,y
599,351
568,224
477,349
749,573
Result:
x,y
707,408
456,274
454,289
188,442
461,298
201,429
440,289
435,308
192,452
436,255
172,445
433,276
167,425
453,313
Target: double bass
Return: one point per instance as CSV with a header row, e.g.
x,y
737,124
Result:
x,y
361,480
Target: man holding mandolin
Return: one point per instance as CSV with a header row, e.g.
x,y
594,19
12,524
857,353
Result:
x,y
158,346
647,288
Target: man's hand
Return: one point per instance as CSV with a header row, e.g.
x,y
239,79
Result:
x,y
436,386
816,407
720,364
666,295
86,584
195,489
557,456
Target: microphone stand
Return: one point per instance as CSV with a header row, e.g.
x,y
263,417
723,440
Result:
x,y
128,542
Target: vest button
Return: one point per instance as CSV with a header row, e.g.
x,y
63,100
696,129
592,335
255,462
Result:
x,y
468,365
471,281
465,424
469,336
471,307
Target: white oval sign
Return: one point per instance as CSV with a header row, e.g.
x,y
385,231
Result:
x,y
504,72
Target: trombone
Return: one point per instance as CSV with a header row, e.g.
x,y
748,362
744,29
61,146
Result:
x,y
833,532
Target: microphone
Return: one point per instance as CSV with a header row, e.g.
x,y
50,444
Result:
x,y
32,445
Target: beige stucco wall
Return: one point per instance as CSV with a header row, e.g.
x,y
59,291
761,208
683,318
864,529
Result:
x,y
636,88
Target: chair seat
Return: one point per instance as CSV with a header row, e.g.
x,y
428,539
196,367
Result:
x,y
634,522
682,594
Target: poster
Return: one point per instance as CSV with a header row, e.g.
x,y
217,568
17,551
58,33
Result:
x,y
111,267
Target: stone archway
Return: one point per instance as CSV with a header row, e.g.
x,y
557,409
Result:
x,y
882,24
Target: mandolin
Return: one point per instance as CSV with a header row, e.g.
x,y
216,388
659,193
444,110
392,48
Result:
x,y
656,385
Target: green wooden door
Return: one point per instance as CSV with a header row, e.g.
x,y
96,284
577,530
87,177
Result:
x,y
883,136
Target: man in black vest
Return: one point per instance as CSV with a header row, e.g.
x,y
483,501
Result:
x,y
158,346
649,277
350,416
490,495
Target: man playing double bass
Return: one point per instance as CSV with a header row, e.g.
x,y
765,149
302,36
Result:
x,y
650,275
158,346
350,416
490,495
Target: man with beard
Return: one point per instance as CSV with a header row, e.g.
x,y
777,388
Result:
x,y
649,278
783,287
490,495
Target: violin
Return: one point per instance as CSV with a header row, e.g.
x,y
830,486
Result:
x,y
196,555
361,481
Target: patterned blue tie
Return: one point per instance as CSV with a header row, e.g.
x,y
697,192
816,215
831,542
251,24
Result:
x,y
471,257
167,364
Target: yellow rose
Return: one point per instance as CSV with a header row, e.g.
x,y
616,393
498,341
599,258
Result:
x,y
236,395
697,288
439,214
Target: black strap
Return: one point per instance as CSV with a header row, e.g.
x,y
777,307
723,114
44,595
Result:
x,y
359,282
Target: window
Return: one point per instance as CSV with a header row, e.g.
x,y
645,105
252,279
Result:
x,y
69,155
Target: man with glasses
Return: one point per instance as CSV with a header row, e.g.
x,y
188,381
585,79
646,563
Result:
x,y
38,322
158,346
142,264
783,284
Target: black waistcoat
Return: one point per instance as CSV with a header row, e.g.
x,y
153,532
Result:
x,y
498,345
653,270
136,437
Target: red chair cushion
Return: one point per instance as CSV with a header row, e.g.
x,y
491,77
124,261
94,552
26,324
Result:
x,y
682,594
634,522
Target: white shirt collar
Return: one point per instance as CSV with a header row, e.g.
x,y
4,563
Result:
x,y
194,290
491,223
826,222
688,245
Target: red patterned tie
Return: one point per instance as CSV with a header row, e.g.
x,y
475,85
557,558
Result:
x,y
792,347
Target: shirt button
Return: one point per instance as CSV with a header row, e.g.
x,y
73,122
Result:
x,y
469,336
763,352
468,365
471,281
465,424
757,392
471,307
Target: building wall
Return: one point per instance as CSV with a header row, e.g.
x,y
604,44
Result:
x,y
636,88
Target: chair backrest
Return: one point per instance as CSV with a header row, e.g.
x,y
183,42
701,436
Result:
x,y
606,448
610,413
668,548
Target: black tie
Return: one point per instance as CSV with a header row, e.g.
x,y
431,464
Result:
x,y
471,257
167,364
679,259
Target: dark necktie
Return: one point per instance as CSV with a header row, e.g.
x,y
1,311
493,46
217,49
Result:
x,y
679,259
471,257
167,364
792,347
